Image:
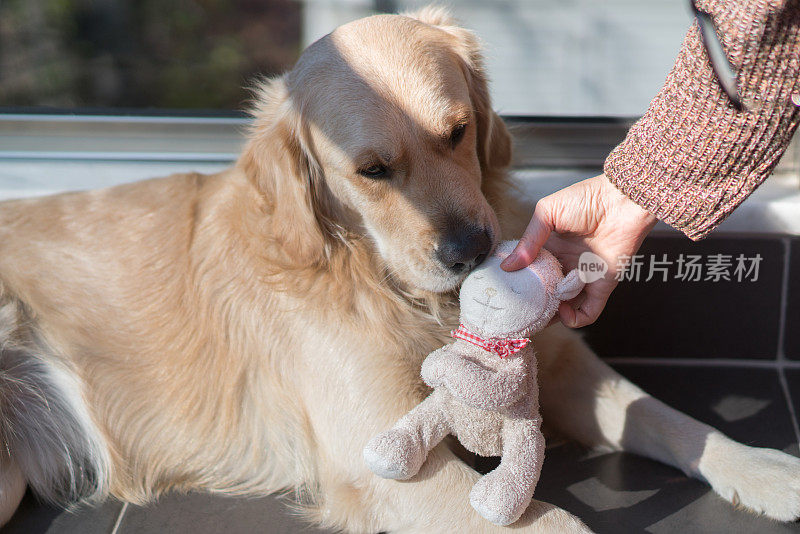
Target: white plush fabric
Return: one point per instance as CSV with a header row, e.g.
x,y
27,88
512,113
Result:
x,y
490,403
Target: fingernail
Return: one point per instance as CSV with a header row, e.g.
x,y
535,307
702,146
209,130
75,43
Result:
x,y
510,259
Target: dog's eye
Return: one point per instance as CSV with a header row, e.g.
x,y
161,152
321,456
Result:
x,y
457,134
374,171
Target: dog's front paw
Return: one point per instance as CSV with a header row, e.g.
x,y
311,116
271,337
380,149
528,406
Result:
x,y
765,481
394,454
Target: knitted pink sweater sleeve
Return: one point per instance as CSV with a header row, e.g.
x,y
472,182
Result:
x,y
693,158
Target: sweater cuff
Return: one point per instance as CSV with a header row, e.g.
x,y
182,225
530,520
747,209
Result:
x,y
693,158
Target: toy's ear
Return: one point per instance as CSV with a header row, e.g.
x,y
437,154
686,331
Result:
x,y
569,287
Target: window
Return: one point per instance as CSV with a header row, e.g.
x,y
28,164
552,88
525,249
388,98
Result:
x,y
545,57
555,57
142,54
97,93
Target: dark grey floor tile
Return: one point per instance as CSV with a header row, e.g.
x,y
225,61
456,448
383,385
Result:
x,y
614,492
33,517
704,319
711,515
197,513
791,345
624,493
793,380
746,404
621,492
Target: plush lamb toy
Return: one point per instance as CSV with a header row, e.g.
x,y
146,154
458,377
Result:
x,y
484,385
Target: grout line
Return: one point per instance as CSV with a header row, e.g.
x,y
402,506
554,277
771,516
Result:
x,y
781,356
706,362
781,360
118,522
788,397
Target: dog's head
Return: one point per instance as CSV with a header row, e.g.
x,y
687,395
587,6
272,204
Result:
x,y
384,127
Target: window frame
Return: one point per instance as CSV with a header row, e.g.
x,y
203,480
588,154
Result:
x,y
50,153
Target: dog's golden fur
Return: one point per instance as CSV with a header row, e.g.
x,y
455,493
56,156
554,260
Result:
x,y
247,332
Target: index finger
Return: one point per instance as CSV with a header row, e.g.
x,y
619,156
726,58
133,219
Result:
x,y
532,240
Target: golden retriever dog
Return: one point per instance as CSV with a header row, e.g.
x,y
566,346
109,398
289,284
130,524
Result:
x,y
248,332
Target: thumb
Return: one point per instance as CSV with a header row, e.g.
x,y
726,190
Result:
x,y
532,240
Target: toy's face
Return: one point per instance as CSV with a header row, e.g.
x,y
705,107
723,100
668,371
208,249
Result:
x,y
500,302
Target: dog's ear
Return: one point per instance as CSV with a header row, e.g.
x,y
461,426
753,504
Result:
x,y
493,140
278,160
433,15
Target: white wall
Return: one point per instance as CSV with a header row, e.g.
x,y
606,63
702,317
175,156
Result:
x,y
556,57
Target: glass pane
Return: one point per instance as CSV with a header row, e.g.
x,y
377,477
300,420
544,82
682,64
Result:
x,y
575,57
545,57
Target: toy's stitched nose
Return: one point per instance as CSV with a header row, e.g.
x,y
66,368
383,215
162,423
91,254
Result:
x,y
490,291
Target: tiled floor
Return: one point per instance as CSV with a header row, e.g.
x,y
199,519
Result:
x,y
613,493
173,514
624,493
792,338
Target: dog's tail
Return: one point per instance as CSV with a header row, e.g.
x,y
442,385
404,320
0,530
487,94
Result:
x,y
45,425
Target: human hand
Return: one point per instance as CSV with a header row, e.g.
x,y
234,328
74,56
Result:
x,y
593,216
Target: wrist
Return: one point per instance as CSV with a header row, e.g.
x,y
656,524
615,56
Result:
x,y
637,216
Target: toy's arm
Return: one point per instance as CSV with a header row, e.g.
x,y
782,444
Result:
x,y
473,383
438,364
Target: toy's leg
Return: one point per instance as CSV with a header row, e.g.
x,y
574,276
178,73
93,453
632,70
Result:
x,y
399,452
352,499
503,495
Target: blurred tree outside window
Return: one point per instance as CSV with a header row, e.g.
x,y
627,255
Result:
x,y
174,54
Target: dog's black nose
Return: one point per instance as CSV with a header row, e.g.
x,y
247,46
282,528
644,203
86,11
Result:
x,y
462,250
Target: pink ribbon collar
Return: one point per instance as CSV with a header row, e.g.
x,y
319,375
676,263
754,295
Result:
x,y
502,347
